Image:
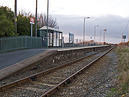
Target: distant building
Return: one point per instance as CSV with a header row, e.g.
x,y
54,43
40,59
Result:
x,y
71,38
54,37
77,41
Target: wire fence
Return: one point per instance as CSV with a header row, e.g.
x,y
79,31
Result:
x,y
20,42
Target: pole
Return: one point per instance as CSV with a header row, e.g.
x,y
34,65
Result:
x,y
36,18
104,37
15,15
31,29
94,32
84,32
100,35
128,32
47,18
95,27
121,37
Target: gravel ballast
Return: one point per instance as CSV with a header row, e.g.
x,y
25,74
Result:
x,y
94,82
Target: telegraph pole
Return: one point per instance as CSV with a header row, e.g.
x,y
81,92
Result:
x,y
84,29
121,37
84,32
95,27
100,35
128,33
47,14
15,15
104,35
94,32
36,18
47,20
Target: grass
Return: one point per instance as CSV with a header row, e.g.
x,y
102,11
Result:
x,y
123,66
122,89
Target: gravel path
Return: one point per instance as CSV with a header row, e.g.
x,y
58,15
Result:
x,y
94,82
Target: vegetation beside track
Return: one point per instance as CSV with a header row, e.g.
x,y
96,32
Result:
x,y
122,87
7,27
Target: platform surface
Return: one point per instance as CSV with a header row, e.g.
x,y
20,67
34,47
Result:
x,y
77,48
9,58
11,62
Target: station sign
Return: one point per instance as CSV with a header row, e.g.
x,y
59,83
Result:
x,y
123,36
71,38
32,20
105,30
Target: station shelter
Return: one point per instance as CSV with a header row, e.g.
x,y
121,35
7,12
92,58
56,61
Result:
x,y
51,38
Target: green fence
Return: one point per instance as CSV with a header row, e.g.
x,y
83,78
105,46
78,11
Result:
x,y
20,42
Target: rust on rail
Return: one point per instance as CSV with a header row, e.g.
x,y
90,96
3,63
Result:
x,y
51,91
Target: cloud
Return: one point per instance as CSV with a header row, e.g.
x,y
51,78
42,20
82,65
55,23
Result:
x,y
114,24
70,19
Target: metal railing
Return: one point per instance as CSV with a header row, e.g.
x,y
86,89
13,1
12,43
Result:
x,y
20,42
79,45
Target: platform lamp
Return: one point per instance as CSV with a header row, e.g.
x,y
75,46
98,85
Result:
x,y
36,18
95,27
105,30
100,35
84,29
128,32
47,18
15,15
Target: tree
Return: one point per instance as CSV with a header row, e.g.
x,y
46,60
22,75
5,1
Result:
x,y
7,12
43,21
23,23
6,22
7,27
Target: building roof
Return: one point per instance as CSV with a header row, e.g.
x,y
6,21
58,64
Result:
x,y
53,29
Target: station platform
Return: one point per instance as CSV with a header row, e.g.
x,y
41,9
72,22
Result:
x,y
11,62
9,58
77,48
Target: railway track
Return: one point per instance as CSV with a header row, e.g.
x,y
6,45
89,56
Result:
x,y
42,69
45,83
42,66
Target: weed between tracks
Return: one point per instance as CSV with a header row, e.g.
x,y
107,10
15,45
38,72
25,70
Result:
x,y
122,89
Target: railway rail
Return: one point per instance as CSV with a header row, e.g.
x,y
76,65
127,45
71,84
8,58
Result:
x,y
27,73
59,58
43,84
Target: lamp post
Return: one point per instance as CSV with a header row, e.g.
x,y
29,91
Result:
x,y
128,32
36,17
47,14
84,29
95,27
121,37
15,15
104,35
100,35
47,20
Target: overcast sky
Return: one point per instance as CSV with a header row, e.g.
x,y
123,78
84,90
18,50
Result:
x,y
110,14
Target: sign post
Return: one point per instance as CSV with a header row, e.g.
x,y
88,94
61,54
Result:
x,y
71,38
104,35
124,37
31,22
